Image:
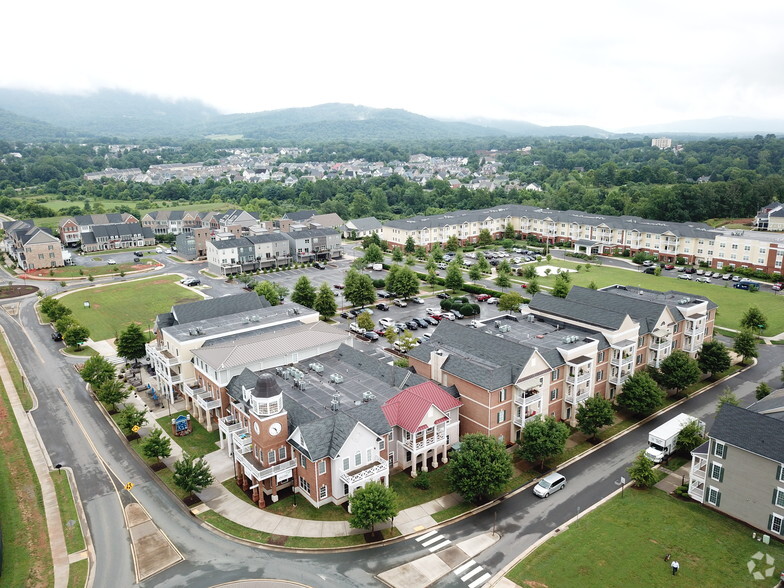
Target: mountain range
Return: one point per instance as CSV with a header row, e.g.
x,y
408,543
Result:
x,y
120,115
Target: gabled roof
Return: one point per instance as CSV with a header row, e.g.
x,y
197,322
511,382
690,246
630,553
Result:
x,y
267,238
310,233
408,408
300,215
217,307
368,223
235,243
574,310
758,433
118,230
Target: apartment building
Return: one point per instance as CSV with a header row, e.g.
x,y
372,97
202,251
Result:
x,y
770,217
31,247
72,228
320,425
511,371
361,227
739,471
314,245
597,234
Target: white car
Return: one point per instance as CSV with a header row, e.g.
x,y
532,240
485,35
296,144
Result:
x,y
448,316
168,251
492,300
400,302
111,262
355,328
432,311
417,300
386,322
684,277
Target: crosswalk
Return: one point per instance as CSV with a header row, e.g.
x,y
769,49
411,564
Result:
x,y
472,573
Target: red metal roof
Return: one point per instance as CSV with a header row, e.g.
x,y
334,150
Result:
x,y
407,408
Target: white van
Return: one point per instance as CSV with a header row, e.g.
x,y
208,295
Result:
x,y
549,484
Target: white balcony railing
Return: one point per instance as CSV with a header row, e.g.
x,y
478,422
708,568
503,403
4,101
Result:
x,y
660,344
622,360
229,425
243,441
206,401
259,474
423,442
578,396
375,470
528,397
522,421
577,378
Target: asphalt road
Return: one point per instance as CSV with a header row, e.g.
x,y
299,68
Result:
x,y
77,435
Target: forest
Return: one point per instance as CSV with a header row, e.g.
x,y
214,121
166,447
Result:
x,y
708,178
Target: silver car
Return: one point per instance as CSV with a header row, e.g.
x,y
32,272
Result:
x,y
549,484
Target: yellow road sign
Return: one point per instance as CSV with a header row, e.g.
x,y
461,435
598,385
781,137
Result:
x,y
128,486
135,428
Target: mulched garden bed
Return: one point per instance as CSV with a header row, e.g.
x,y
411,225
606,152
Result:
x,y
373,537
14,291
278,540
191,500
158,466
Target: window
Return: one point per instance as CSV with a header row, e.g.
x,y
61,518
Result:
x,y
714,496
639,359
776,523
600,375
556,374
358,458
282,453
369,454
640,341
717,472
382,443
600,358
719,449
346,464
780,474
303,462
322,493
271,456
304,484
501,416
322,467
502,395
554,394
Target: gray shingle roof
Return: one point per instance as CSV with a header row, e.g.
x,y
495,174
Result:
x,y
235,243
573,309
216,307
267,238
300,215
754,432
368,223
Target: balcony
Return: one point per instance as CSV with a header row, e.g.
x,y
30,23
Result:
x,y
162,354
255,469
418,443
521,421
205,399
372,470
229,425
243,442
530,396
581,395
660,344
622,360
579,377
618,377
693,330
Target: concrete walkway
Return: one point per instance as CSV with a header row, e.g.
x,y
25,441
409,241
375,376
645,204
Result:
x,y
674,479
42,468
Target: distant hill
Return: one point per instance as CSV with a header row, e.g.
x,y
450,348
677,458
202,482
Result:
x,y
721,125
527,129
108,112
341,122
14,127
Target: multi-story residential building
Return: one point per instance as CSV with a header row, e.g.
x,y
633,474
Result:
x,y
161,222
193,245
314,245
189,326
511,371
770,217
32,247
231,256
72,228
593,233
739,471
661,142
320,426
116,236
361,227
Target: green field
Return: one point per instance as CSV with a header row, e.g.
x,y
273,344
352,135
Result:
x,y
732,302
624,542
199,443
114,307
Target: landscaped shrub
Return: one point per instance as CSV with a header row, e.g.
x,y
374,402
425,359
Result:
x,y
446,304
468,309
379,283
422,481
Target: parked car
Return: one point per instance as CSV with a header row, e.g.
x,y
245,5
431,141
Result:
x,y
458,315
429,320
386,322
716,275
401,326
111,262
690,270
422,323
191,282
367,310
680,269
417,300
399,346
380,331
138,254
705,279
158,250
57,336
684,277
492,300
700,272
549,484
448,315
399,302
437,317
320,266
777,286
442,266
475,324
346,315
443,296
426,337
355,328
647,263
412,325
136,259
432,311
382,306
726,277
483,297
736,278
339,286
383,294
168,252
669,266
372,335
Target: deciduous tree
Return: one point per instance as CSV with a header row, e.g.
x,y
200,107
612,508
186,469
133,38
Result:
x,y
452,243
762,391
542,439
131,343
561,287
641,471
397,255
304,293
475,273
410,246
324,302
111,392
454,277
192,475
690,437
271,291
485,237
76,335
727,397
156,445
678,371
372,504
510,301
480,469
96,371
131,417
745,345
596,412
640,394
753,319
373,254
365,322
359,288
713,358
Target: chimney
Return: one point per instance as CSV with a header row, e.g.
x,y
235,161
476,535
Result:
x,y
437,359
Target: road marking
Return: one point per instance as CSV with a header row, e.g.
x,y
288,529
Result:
x,y
426,536
472,573
464,567
432,540
480,580
439,546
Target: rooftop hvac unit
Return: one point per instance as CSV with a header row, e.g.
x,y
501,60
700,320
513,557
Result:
x,y
286,373
505,328
316,367
335,402
279,371
530,318
296,374
497,324
367,396
336,378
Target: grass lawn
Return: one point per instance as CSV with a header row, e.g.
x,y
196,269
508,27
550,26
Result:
x,y
74,541
232,528
85,351
407,496
304,509
16,376
75,271
732,302
114,307
712,549
199,443
77,573
452,511
27,559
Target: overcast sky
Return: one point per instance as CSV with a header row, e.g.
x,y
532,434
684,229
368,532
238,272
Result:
x,y
607,64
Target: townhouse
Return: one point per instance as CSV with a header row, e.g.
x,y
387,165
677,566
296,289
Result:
x,y
598,234
511,371
161,222
32,247
116,236
314,245
239,254
72,228
320,426
739,471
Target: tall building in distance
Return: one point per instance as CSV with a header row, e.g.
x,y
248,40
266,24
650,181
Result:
x,y
661,142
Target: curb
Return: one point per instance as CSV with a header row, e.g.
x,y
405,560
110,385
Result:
x,y
88,538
